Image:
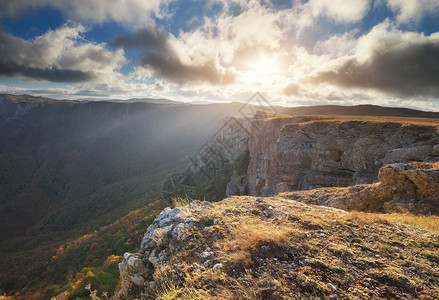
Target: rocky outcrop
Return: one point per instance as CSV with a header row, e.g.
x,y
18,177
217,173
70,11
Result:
x,y
170,228
402,188
300,153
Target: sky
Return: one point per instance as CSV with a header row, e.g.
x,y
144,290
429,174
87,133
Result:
x,y
296,52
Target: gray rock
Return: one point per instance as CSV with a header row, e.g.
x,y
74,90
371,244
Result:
x,y
178,232
134,262
137,279
416,153
154,260
200,205
196,266
206,204
217,267
206,254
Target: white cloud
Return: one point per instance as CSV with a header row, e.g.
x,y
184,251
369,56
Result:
x,y
232,43
413,10
340,11
343,11
58,55
337,45
386,37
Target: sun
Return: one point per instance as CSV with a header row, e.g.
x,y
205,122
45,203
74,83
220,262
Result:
x,y
264,65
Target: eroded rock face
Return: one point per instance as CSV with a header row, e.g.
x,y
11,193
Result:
x,y
402,188
170,226
301,153
413,187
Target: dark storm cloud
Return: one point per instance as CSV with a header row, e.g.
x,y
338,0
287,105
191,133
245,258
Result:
x,y
405,71
49,74
158,54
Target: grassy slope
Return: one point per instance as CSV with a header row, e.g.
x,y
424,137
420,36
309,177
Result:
x,y
273,248
69,266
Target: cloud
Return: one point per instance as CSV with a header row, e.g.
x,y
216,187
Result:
x,y
55,75
403,64
337,45
292,89
342,11
307,14
59,56
128,12
159,54
413,10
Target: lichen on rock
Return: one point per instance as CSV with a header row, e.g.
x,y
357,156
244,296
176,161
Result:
x,y
171,225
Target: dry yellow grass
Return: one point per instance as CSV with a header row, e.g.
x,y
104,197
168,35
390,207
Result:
x,y
304,252
181,201
373,119
247,235
430,223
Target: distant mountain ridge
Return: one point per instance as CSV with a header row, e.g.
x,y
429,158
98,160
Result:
x,y
355,110
148,100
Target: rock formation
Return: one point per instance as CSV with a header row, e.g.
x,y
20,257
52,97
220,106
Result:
x,y
286,154
402,188
168,230
300,153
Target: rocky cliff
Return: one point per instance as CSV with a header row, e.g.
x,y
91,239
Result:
x,y
295,153
401,188
298,153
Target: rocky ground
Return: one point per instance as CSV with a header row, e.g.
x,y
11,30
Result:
x,y
401,188
277,248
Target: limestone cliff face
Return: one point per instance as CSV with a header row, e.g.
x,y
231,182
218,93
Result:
x,y
300,153
401,188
